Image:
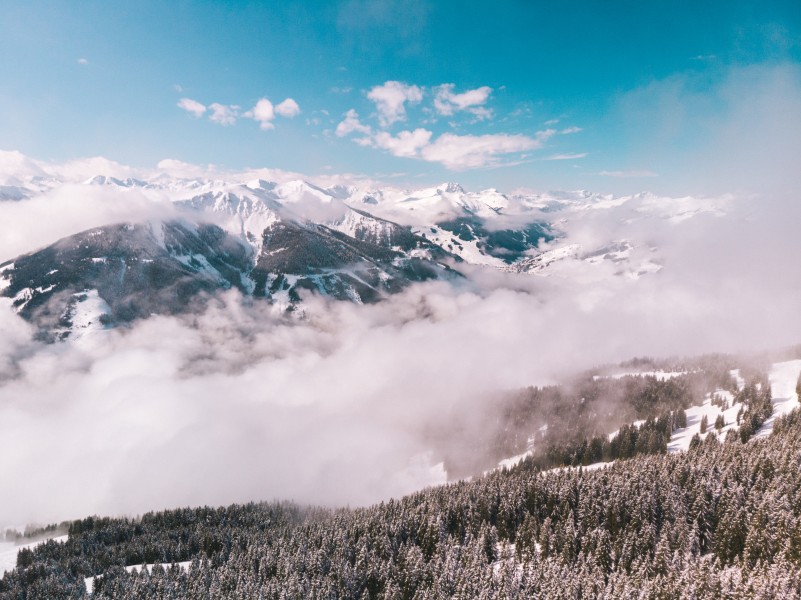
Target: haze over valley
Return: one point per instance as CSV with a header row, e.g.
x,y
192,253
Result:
x,y
391,300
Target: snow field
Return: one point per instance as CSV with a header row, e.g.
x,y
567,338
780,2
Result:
x,y
783,379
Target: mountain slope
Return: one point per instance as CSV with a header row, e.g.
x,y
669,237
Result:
x,y
119,273
135,269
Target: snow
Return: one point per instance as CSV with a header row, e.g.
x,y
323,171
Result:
x,y
680,440
783,379
355,225
9,551
22,298
5,279
246,213
636,424
506,553
617,251
584,468
199,264
659,375
85,315
89,582
544,259
467,250
738,378
512,461
281,300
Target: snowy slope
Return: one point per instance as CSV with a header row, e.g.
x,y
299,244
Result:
x,y
783,379
680,440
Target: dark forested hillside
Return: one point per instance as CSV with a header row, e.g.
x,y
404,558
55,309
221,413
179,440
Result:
x,y
720,521
569,424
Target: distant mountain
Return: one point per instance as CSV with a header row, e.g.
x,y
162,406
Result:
x,y
279,240
127,271
130,271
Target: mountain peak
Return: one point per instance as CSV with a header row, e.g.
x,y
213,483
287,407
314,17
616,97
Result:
x,y
260,184
452,188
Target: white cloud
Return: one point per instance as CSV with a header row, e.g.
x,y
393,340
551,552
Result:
x,y
264,113
458,152
406,143
390,100
352,123
446,102
288,108
569,130
567,156
195,108
15,167
83,61
179,168
81,169
628,174
69,209
224,114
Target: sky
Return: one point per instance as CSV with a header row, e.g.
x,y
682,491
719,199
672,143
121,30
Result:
x,y
610,96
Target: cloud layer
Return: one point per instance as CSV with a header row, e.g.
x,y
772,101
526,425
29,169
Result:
x,y
242,404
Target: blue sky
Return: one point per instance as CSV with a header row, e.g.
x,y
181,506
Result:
x,y
610,96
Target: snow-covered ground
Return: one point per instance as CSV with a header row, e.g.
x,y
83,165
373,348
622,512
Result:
x,y
89,582
659,375
783,379
585,468
9,551
87,312
512,461
5,276
680,440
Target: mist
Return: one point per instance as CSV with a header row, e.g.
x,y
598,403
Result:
x,y
241,403
333,406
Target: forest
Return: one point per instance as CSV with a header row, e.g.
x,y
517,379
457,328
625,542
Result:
x,y
722,520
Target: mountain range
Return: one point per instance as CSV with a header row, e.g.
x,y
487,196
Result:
x,y
281,240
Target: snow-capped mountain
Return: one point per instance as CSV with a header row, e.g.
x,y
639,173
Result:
x,y
281,239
